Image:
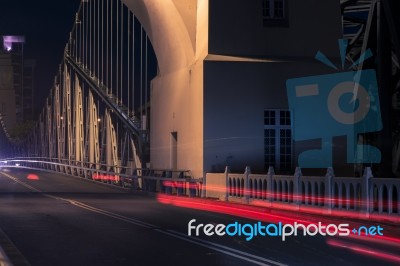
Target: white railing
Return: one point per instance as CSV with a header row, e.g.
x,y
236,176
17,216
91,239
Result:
x,y
365,195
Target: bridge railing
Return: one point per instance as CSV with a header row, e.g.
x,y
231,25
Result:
x,y
363,196
178,182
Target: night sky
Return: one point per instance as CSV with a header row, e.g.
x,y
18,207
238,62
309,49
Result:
x,y
46,25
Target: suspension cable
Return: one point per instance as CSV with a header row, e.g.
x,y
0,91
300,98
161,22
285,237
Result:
x,y
111,51
129,62
117,55
141,72
122,49
133,63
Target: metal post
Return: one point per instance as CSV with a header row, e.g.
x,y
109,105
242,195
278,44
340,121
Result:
x,y
297,186
227,186
270,174
247,172
366,191
328,189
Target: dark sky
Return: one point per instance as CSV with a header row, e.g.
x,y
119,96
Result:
x,y
46,25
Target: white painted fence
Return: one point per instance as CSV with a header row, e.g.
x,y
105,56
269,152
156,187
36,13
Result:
x,y
365,194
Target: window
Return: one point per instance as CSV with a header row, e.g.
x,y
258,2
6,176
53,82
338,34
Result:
x,y
275,13
278,148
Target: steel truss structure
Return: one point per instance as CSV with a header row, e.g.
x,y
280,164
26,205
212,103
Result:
x,y
374,24
96,113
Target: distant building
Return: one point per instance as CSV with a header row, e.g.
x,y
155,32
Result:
x,y
28,89
17,82
7,92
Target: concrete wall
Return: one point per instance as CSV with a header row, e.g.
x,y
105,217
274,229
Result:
x,y
235,97
177,106
236,28
215,186
178,31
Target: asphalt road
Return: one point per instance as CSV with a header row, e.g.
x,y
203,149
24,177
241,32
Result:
x,y
51,219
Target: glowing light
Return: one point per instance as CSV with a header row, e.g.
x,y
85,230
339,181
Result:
x,y
180,184
32,177
103,177
225,208
377,239
307,203
262,214
9,40
364,250
17,164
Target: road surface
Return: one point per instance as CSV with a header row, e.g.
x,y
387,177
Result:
x,y
52,219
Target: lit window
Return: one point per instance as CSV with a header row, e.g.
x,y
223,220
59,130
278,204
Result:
x,y
275,13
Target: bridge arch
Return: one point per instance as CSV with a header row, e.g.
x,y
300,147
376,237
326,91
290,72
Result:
x,y
171,27
178,32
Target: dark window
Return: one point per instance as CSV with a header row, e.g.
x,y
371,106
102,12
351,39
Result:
x,y
278,148
275,13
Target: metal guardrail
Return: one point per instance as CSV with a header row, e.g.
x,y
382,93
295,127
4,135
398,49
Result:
x,y
178,182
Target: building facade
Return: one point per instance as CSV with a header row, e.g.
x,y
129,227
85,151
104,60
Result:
x,y
17,103
7,92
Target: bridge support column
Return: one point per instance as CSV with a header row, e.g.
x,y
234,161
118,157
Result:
x,y
67,113
111,146
78,122
94,154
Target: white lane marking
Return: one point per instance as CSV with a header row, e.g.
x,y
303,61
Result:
x,y
194,241
20,182
230,249
210,245
84,206
110,214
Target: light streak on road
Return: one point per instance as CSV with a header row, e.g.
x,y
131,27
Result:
x,y
364,250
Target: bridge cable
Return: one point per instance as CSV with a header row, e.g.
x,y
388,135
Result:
x,y
141,72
